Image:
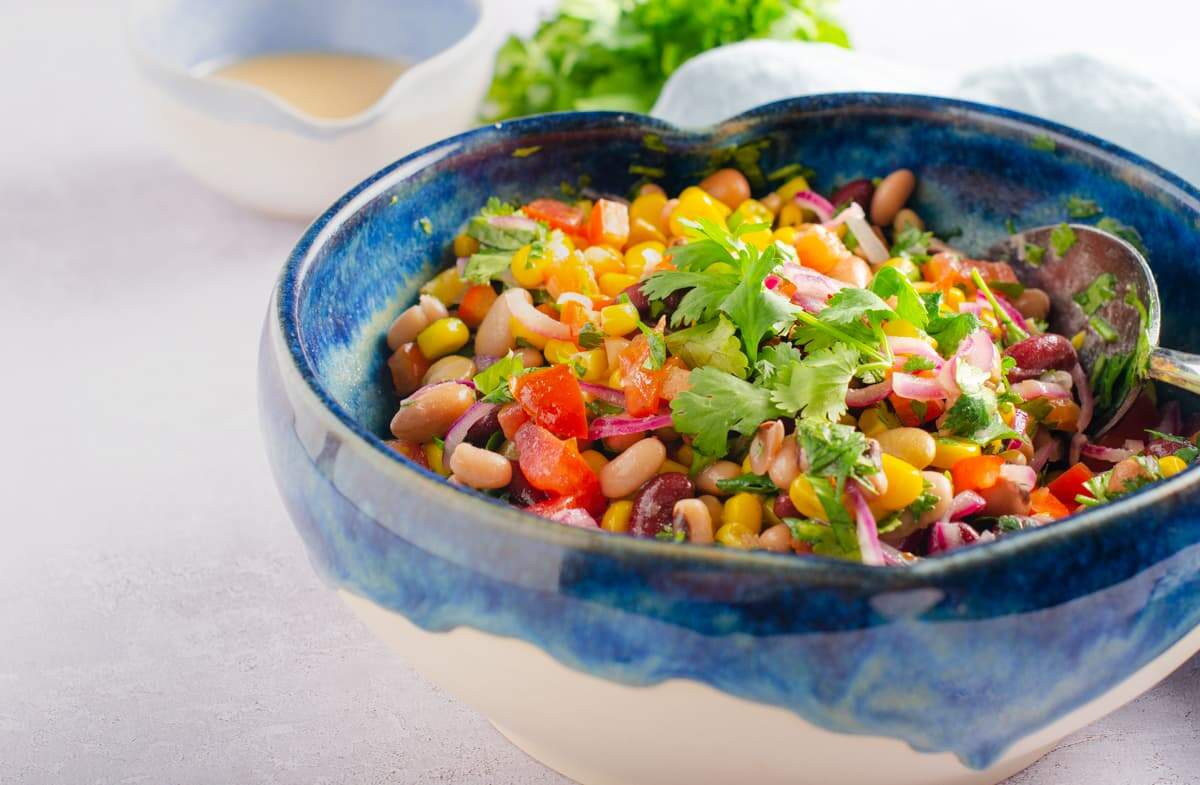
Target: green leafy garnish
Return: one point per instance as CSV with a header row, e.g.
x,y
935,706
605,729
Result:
x,y
1034,254
748,483
949,331
1103,328
658,347
889,281
1078,207
773,359
713,344
913,244
1062,238
1013,331
1097,294
669,533
484,266
717,403
1126,233
617,54
1187,451
917,363
975,415
492,382
816,386
590,336
601,408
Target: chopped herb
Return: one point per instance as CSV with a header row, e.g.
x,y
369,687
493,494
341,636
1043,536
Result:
x,y
495,441
717,403
483,267
912,243
493,380
669,533
1103,328
1126,233
426,225
1034,254
748,483
653,172
1078,207
816,387
658,347
925,502
917,363
525,152
1097,294
1062,238
713,343
654,142
948,331
1013,331
601,408
1010,289
889,281
1044,143
792,170
590,336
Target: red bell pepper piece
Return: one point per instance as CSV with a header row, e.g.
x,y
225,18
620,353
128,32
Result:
x,y
608,223
643,386
558,215
554,465
1069,484
976,473
1043,502
553,399
911,413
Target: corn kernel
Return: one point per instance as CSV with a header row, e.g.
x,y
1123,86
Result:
x,y
733,535
876,420
904,483
746,465
1077,340
760,239
647,207
523,333
604,259
905,266
616,517
594,363
900,328
529,269
953,298
669,466
643,257
949,451
465,245
1170,465
612,284
694,204
786,234
787,192
445,336
791,215
642,231
433,457
446,286
619,319
754,212
595,460
805,498
558,352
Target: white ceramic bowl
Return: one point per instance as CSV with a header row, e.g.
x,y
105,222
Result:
x,y
262,152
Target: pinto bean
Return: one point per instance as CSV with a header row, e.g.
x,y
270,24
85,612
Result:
x,y
622,443
940,487
765,446
433,308
890,195
407,325
911,445
431,411
727,185
530,357
1033,304
778,538
716,510
479,468
786,465
452,368
654,504
907,219
1124,472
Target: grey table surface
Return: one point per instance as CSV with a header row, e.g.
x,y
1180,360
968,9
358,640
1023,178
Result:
x,y
159,622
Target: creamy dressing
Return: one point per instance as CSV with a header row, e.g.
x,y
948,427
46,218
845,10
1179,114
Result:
x,y
327,85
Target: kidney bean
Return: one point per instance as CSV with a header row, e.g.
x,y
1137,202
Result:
x,y
891,195
520,491
654,504
483,428
638,299
783,507
1040,353
859,191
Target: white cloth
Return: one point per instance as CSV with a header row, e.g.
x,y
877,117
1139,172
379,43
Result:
x,y
1083,91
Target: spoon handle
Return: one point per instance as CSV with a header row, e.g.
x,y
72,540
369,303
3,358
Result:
x,y
1178,369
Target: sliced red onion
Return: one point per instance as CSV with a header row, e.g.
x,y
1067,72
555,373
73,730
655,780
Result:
x,y
946,378
1012,312
865,527
518,222
603,393
534,320
575,516
1031,388
969,307
867,240
979,350
1087,403
811,283
946,536
1045,451
913,347
862,397
1134,445
894,557
1020,424
917,388
624,425
460,265
810,304
1078,442
817,203
1023,477
1107,454
458,431
964,504
582,299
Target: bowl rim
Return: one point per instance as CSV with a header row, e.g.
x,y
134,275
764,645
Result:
x,y
506,520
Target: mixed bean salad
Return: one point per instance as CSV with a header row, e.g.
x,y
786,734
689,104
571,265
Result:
x,y
793,373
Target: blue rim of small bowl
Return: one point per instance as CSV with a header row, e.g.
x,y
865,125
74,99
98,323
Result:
x,y
511,521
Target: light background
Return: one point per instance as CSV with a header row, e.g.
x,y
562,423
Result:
x,y
159,622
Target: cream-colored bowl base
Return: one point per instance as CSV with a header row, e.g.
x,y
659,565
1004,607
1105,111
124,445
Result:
x,y
599,732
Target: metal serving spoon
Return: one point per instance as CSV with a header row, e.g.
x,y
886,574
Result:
x,y
1062,277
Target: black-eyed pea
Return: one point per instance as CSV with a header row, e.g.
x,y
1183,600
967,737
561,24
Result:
x,y
786,465
914,446
693,514
939,486
638,463
765,445
479,468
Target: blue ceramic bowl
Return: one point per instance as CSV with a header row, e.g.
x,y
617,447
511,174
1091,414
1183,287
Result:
x,y
618,660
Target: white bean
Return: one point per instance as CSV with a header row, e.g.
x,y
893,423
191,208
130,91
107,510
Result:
x,y
625,474
480,468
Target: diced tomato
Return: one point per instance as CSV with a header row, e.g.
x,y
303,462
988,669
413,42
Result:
x,y
911,413
592,501
643,386
976,473
554,465
511,416
675,380
476,302
553,399
946,270
1043,502
573,314
1069,484
990,272
609,223
557,214
410,450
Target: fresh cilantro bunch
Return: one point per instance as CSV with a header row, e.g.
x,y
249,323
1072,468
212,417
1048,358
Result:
x,y
617,54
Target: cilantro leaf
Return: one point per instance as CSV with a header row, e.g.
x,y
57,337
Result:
x,y
710,344
486,265
1097,294
773,359
1078,207
889,281
755,309
1126,233
968,415
590,337
816,387
852,306
1034,254
833,449
1062,238
702,302
912,243
717,403
1103,328
748,483
492,382
657,346
917,363
948,331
